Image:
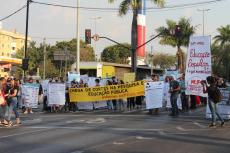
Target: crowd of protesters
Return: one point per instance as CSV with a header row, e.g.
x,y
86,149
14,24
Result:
x,y
11,101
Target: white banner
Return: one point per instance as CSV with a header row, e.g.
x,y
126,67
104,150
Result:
x,y
100,104
85,106
56,94
198,65
30,95
154,94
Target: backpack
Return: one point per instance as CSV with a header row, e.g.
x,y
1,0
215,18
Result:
x,y
217,97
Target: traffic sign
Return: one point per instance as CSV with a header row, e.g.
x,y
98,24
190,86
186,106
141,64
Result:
x,y
96,37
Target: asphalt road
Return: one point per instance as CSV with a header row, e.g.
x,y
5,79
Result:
x,y
104,132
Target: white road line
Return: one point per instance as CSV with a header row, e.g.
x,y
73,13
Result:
x,y
143,138
118,143
22,133
199,125
180,128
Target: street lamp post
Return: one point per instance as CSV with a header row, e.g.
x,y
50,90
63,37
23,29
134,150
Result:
x,y
203,11
78,40
95,29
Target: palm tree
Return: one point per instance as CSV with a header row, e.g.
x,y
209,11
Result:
x,y
134,5
224,36
167,38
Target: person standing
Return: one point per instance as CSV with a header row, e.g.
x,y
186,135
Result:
x,y
3,103
12,95
183,96
212,103
114,101
174,89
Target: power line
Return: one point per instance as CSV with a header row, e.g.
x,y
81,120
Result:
x,y
17,11
149,9
179,6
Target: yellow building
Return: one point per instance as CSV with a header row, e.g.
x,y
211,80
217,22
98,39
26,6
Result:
x,y
10,43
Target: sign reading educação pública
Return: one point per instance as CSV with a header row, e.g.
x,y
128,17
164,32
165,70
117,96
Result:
x,y
101,93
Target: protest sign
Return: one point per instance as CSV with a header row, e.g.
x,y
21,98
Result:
x,y
154,94
198,65
102,93
56,94
30,95
73,76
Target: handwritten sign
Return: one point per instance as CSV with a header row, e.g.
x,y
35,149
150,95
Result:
x,y
198,65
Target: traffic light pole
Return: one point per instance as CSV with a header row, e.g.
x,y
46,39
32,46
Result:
x,y
133,53
26,35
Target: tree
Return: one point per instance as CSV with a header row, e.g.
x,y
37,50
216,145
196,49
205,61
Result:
x,y
116,54
35,55
86,51
163,61
134,5
224,35
177,41
221,52
221,60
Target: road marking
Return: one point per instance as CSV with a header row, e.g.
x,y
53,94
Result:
x,y
97,120
22,133
180,128
75,121
118,143
38,120
199,125
143,138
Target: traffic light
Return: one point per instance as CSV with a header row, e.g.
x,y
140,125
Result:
x,y
178,30
88,36
25,64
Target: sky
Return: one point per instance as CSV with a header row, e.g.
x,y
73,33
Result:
x,y
57,24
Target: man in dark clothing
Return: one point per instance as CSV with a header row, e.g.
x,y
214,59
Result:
x,y
174,90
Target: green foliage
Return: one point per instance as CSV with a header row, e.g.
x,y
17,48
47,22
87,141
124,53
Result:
x,y
167,38
163,61
224,35
221,52
116,54
186,31
36,58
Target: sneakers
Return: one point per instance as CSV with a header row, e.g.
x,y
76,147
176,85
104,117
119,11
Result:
x,y
222,124
31,112
212,125
26,112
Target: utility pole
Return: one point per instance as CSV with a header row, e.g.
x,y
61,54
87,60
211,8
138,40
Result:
x,y
203,11
66,53
78,40
26,38
44,56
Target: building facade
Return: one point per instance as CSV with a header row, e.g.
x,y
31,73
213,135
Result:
x,y
10,43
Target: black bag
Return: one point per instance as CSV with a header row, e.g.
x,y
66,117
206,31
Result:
x,y
217,97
